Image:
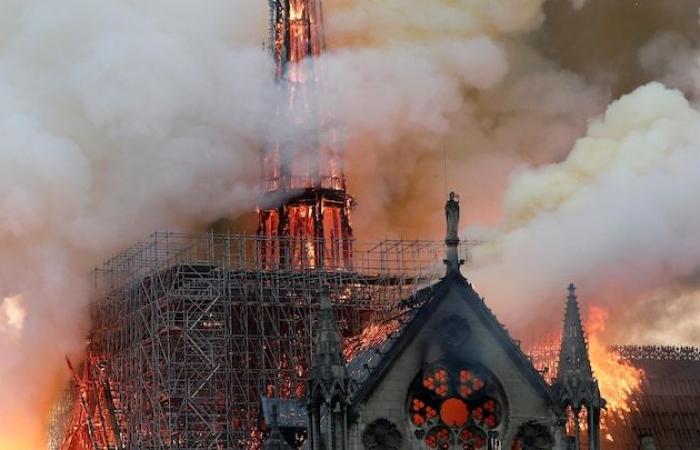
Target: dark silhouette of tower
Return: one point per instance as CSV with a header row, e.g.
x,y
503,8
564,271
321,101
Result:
x,y
575,386
328,389
305,213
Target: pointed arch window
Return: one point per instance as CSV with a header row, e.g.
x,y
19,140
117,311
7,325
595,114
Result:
x,y
455,407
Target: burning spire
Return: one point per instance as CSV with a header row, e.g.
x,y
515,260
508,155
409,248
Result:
x,y
306,202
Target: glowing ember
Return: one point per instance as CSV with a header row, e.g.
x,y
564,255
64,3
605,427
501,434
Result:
x,y
371,336
545,356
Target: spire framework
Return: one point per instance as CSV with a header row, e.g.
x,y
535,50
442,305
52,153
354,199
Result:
x,y
305,202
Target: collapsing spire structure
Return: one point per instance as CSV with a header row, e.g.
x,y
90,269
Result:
x,y
575,385
305,202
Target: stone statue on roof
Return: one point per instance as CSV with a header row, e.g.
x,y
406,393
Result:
x,y
452,214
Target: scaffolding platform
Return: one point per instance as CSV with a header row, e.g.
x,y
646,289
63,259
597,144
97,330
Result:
x,y
191,330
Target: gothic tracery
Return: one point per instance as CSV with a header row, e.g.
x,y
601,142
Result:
x,y
454,406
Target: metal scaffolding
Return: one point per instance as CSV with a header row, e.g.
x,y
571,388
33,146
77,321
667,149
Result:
x,y
190,331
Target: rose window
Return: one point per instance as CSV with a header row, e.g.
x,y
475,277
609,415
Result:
x,y
454,409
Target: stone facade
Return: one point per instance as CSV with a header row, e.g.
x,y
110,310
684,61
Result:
x,y
450,377
523,401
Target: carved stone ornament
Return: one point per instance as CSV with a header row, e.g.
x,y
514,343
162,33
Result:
x,y
454,333
381,435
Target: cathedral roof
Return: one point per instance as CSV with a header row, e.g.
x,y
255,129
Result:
x,y
369,366
666,406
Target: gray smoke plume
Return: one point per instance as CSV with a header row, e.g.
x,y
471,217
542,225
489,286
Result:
x,y
118,117
617,216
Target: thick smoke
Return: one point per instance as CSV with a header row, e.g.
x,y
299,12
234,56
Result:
x,y
116,118
617,216
456,94
673,59
621,200
119,118
624,248
122,117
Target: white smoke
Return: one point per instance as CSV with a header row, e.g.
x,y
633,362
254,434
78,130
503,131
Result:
x,y
452,90
116,118
672,59
578,4
618,216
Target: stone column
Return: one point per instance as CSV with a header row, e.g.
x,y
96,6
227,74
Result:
x,y
594,429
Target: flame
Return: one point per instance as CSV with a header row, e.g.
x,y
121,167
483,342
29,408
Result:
x,y
618,379
296,10
545,356
18,429
17,443
19,432
372,335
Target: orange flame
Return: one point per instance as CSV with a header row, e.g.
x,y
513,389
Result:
x,y
17,443
618,379
372,335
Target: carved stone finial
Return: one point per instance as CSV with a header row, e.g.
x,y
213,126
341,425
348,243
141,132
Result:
x,y
452,237
328,389
328,363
